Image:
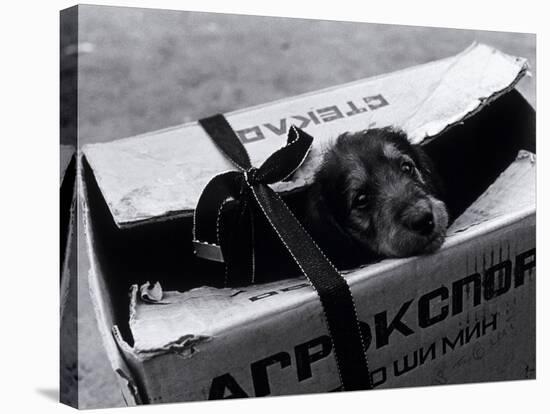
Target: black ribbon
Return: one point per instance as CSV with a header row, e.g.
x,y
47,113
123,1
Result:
x,y
225,212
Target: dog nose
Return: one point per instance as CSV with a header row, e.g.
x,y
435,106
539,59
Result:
x,y
422,223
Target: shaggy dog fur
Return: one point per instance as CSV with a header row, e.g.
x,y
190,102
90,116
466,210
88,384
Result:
x,y
375,195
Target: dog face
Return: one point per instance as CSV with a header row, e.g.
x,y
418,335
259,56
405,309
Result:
x,y
382,192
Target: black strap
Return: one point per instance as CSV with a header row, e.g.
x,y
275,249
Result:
x,y
333,290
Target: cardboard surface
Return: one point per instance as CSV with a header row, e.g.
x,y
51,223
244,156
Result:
x,y
161,175
103,308
433,320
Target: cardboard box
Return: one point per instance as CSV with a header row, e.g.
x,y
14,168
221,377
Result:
x,y
463,314
68,284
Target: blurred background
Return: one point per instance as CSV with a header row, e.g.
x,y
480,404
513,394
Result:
x,y
143,69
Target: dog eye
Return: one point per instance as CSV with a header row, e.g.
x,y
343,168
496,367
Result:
x,y
407,167
361,200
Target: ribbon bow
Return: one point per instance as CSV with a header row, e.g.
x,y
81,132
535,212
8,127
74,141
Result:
x,y
224,232
228,201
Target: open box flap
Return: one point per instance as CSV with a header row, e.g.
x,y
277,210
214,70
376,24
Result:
x,y
161,175
181,322
514,190
103,309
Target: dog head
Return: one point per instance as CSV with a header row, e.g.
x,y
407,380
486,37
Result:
x,y
381,191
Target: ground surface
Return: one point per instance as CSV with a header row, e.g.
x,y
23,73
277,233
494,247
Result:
x,y
141,70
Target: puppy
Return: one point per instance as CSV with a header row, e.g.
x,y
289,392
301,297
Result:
x,y
375,195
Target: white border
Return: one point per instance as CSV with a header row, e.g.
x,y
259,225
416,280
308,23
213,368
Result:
x,y
29,162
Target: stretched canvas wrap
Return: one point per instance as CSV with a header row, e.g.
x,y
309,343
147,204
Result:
x,y
192,151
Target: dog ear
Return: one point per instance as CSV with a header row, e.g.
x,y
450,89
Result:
x,y
427,168
323,226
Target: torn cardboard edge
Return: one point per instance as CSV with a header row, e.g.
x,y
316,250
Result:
x,y
159,176
438,124
208,312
